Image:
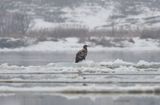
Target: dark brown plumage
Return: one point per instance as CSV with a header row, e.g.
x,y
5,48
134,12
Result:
x,y
81,55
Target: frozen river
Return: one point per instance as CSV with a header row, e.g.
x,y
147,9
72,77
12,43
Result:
x,y
116,76
111,68
27,58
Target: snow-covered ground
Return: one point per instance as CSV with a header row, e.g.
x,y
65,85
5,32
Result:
x,y
84,15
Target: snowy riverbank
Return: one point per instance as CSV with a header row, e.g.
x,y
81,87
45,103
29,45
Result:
x,y
72,44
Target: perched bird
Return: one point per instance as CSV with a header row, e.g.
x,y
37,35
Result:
x,y
81,55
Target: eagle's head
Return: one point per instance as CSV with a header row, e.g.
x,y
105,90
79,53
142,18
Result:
x,y
85,46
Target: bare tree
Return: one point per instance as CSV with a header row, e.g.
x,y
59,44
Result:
x,y
13,23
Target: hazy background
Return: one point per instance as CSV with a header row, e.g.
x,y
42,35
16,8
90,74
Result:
x,y
108,23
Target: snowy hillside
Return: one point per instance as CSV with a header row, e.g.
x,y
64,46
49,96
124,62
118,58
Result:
x,y
42,24
90,13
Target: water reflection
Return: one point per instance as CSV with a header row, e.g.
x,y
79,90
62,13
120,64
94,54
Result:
x,y
31,99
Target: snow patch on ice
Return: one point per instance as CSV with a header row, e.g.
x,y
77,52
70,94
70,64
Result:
x,y
150,43
117,65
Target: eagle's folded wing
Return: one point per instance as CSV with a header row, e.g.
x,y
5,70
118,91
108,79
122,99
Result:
x,y
81,55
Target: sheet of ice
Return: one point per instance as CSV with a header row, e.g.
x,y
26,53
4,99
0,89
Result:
x,y
90,65
85,68
89,77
